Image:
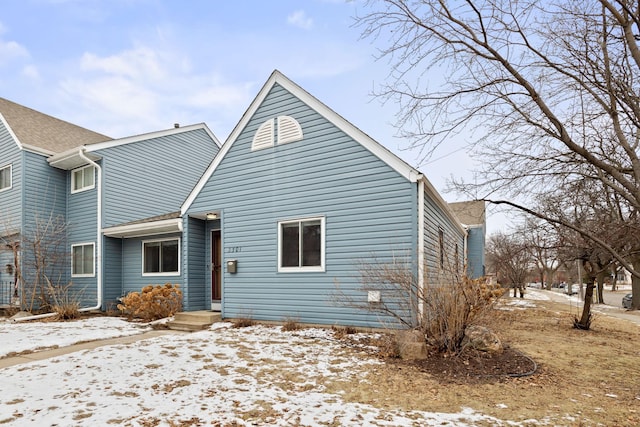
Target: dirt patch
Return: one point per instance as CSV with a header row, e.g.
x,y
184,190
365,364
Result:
x,y
473,366
583,378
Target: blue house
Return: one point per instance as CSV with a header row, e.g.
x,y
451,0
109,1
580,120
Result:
x,y
296,199
472,216
274,224
58,176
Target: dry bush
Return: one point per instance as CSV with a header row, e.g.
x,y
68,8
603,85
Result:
x,y
339,332
65,301
449,309
243,322
291,324
152,303
442,308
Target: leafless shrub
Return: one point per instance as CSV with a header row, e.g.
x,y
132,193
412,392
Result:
x,y
65,300
441,308
291,324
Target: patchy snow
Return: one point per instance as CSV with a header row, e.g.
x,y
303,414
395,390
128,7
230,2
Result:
x,y
17,337
221,376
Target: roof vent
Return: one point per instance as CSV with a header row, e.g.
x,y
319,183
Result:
x,y
263,137
289,130
176,125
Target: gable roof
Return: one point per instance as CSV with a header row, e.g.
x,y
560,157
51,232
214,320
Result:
x,y
43,133
70,159
470,212
365,140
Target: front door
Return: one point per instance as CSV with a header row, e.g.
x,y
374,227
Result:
x,y
216,270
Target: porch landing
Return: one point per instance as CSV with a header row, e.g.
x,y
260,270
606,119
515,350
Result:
x,y
191,321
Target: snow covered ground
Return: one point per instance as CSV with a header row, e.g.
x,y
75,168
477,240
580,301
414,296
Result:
x,y
221,376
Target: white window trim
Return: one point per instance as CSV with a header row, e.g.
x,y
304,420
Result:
x,y
10,167
93,246
172,273
319,268
81,189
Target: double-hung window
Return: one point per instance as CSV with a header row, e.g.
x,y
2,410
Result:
x,y
5,178
301,245
161,257
82,260
83,179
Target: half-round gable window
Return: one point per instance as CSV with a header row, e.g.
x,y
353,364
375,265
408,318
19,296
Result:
x,y
289,130
264,136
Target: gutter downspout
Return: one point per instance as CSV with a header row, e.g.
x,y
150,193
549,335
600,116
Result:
x,y
421,282
98,259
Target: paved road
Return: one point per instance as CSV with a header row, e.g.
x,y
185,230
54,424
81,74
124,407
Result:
x,y
612,306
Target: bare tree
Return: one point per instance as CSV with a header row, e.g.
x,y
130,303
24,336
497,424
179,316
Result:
x,y
549,88
542,244
509,258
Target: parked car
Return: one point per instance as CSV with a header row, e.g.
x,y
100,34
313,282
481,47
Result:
x,y
626,301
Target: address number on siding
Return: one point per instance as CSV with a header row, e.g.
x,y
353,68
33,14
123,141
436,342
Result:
x,y
233,249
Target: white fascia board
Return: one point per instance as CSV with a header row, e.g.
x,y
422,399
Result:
x,y
165,226
277,77
347,127
443,205
13,135
146,136
229,142
37,150
71,159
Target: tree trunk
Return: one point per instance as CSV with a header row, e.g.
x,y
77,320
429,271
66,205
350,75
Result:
x,y
601,276
585,320
635,285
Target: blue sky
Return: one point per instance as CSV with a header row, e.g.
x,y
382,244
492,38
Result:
x,y
125,67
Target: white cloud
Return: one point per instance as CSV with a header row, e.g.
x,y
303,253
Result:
x,y
299,19
10,50
31,71
135,63
144,89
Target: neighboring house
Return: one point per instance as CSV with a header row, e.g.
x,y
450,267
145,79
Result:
x,y
472,215
57,170
296,199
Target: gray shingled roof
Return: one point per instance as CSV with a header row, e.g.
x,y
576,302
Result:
x,y
469,213
43,131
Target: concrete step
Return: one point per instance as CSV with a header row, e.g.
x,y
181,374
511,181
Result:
x,y
191,321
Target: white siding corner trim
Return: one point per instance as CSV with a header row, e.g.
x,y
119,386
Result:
x,y
264,136
289,130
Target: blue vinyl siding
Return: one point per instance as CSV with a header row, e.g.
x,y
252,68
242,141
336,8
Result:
x,y
82,228
475,258
112,272
153,177
196,294
44,203
132,278
368,207
11,199
435,220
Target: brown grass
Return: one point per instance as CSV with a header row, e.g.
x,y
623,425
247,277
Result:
x,y
584,378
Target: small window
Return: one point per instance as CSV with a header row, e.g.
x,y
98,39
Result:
x,y
301,245
5,178
82,179
82,260
161,257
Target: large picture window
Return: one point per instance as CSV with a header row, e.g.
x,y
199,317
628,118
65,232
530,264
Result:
x,y
82,260
5,178
301,245
161,257
82,179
